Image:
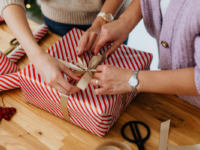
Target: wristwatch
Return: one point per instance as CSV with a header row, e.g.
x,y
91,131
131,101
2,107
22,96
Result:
x,y
133,81
108,17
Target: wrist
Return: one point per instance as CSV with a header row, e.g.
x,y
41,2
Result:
x,y
134,81
139,86
131,23
128,75
36,52
99,21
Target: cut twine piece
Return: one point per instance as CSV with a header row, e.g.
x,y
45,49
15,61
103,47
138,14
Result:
x,y
163,142
164,132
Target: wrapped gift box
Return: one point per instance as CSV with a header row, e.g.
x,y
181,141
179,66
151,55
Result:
x,y
96,114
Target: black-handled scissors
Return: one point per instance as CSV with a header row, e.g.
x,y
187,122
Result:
x,y
13,44
137,138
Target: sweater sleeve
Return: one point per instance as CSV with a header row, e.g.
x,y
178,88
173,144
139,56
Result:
x,y
197,60
4,3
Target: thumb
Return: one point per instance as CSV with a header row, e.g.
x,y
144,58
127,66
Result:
x,y
113,47
102,42
68,72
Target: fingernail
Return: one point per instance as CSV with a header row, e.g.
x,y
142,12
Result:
x,y
107,56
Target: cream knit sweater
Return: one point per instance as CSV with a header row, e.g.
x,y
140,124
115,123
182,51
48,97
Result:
x,y
82,12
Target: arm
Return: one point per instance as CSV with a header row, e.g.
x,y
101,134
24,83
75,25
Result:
x,y
180,82
49,68
115,80
90,37
118,30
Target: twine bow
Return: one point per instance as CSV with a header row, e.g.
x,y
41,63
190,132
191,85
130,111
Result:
x,y
83,70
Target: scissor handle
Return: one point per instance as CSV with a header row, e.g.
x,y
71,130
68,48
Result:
x,y
136,133
14,42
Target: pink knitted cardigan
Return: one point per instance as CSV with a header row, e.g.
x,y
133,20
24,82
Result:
x,y
180,28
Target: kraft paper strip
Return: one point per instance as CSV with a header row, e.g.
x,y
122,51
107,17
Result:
x,y
164,132
63,104
82,70
86,73
188,147
82,84
87,76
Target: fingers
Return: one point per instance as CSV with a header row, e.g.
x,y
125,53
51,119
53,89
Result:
x,y
98,75
108,43
113,47
72,82
59,88
68,72
82,43
100,91
69,88
102,42
91,41
96,82
100,68
94,43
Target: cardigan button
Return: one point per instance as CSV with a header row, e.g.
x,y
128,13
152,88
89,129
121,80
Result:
x,y
164,44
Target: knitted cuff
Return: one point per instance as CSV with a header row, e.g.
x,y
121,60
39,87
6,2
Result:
x,y
4,3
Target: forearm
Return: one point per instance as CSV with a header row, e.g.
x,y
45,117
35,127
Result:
x,y
132,15
15,18
111,6
180,81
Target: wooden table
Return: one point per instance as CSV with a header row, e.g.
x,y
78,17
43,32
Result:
x,y
35,129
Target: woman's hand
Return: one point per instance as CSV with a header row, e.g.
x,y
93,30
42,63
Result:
x,y
113,80
115,32
90,37
51,71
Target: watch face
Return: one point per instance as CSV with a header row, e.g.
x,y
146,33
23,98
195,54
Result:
x,y
109,17
133,81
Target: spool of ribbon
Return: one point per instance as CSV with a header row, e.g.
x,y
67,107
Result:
x,y
113,145
7,66
19,52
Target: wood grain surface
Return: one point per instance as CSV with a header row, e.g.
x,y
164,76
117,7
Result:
x,y
32,128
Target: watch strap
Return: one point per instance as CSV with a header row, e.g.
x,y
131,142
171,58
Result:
x,y
101,14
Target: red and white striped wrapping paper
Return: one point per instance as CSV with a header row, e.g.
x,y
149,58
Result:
x,y
9,81
94,113
7,66
19,52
